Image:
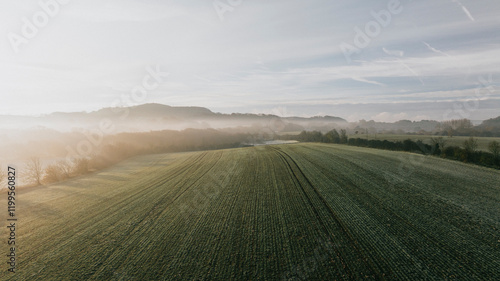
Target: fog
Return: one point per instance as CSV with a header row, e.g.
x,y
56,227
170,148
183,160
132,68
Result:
x,y
48,136
109,135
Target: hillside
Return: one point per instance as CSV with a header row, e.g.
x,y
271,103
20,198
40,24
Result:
x,y
491,124
304,211
157,117
152,116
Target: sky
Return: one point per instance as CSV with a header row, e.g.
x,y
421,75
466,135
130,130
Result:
x,y
359,59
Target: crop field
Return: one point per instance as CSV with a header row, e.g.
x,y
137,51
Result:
x,y
280,212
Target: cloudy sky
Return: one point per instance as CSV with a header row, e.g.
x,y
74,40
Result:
x,y
359,59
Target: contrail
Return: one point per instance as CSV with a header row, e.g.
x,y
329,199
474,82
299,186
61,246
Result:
x,y
360,79
412,71
464,9
393,52
434,49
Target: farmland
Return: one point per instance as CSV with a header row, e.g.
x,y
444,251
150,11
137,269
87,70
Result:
x,y
296,211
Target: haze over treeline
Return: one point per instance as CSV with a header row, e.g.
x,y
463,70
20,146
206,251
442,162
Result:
x,y
162,128
150,117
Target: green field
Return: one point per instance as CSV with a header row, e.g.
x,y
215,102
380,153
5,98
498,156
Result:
x,y
482,142
285,212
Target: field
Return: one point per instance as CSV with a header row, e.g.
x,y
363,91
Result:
x,y
283,212
482,142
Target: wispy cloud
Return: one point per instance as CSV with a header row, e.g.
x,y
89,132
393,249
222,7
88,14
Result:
x,y
412,71
360,79
466,11
389,117
434,49
267,54
397,53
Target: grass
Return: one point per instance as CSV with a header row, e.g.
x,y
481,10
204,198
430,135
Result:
x,y
303,211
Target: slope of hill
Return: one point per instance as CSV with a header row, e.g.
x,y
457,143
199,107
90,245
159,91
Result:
x,y
153,116
493,123
305,211
154,110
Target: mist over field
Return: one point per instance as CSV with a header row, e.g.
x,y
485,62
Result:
x,y
48,136
104,137
250,140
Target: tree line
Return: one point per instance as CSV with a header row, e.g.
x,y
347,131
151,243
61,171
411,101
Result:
x,y
468,152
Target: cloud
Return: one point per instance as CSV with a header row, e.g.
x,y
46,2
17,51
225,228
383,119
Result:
x,y
264,56
360,79
123,11
421,117
280,111
397,53
413,71
466,11
434,49
389,117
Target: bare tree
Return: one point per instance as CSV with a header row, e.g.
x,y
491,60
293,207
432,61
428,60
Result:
x,y
65,168
34,170
81,167
53,173
459,124
57,172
